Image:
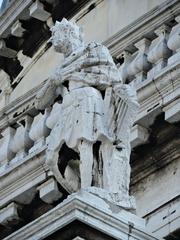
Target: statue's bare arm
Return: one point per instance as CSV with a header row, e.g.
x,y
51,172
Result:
x,y
46,96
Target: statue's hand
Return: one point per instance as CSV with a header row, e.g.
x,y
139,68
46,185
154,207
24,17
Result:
x,y
123,90
46,96
127,93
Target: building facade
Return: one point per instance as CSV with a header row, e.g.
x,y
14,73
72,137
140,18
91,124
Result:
x,y
144,39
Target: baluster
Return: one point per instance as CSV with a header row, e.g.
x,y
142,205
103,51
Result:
x,y
5,152
54,116
5,88
123,69
21,142
39,131
140,65
158,51
174,42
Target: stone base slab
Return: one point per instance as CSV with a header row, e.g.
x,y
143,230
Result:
x,y
91,210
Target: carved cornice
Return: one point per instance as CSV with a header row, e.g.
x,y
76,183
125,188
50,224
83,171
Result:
x,y
11,14
21,105
160,158
22,176
158,92
90,210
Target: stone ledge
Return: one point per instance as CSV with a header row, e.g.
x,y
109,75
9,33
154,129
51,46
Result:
x,y
172,111
49,192
9,213
90,210
155,94
19,181
11,14
165,220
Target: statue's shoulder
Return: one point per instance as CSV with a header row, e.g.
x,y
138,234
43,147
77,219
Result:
x,y
99,50
95,46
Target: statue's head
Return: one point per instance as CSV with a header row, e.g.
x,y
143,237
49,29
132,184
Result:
x,y
66,34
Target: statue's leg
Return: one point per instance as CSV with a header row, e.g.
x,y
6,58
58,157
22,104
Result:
x,y
86,163
116,169
106,151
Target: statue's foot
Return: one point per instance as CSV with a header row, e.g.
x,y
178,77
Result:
x,y
126,202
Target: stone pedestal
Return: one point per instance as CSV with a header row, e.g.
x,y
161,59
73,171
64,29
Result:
x,y
85,216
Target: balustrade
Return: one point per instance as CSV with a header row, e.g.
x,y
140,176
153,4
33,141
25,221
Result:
x,y
156,52
26,136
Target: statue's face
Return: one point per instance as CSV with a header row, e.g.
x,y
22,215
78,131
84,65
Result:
x,y
65,37
60,41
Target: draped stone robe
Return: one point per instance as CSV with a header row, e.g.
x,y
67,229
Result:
x,y
89,72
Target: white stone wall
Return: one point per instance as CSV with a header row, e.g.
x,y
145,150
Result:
x,y
110,16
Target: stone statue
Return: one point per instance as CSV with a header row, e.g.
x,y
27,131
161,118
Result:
x,y
96,114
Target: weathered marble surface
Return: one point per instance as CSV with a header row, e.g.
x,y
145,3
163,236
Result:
x,y
96,115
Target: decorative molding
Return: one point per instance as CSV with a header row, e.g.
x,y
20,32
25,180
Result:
x,y
164,220
172,111
90,210
19,180
155,94
37,11
5,51
49,192
11,14
17,30
9,213
139,135
161,156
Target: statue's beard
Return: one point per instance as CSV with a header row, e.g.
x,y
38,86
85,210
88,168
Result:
x,y
63,47
58,49
66,48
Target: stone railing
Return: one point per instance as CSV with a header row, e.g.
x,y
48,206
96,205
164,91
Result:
x,y
152,56
152,66
23,171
